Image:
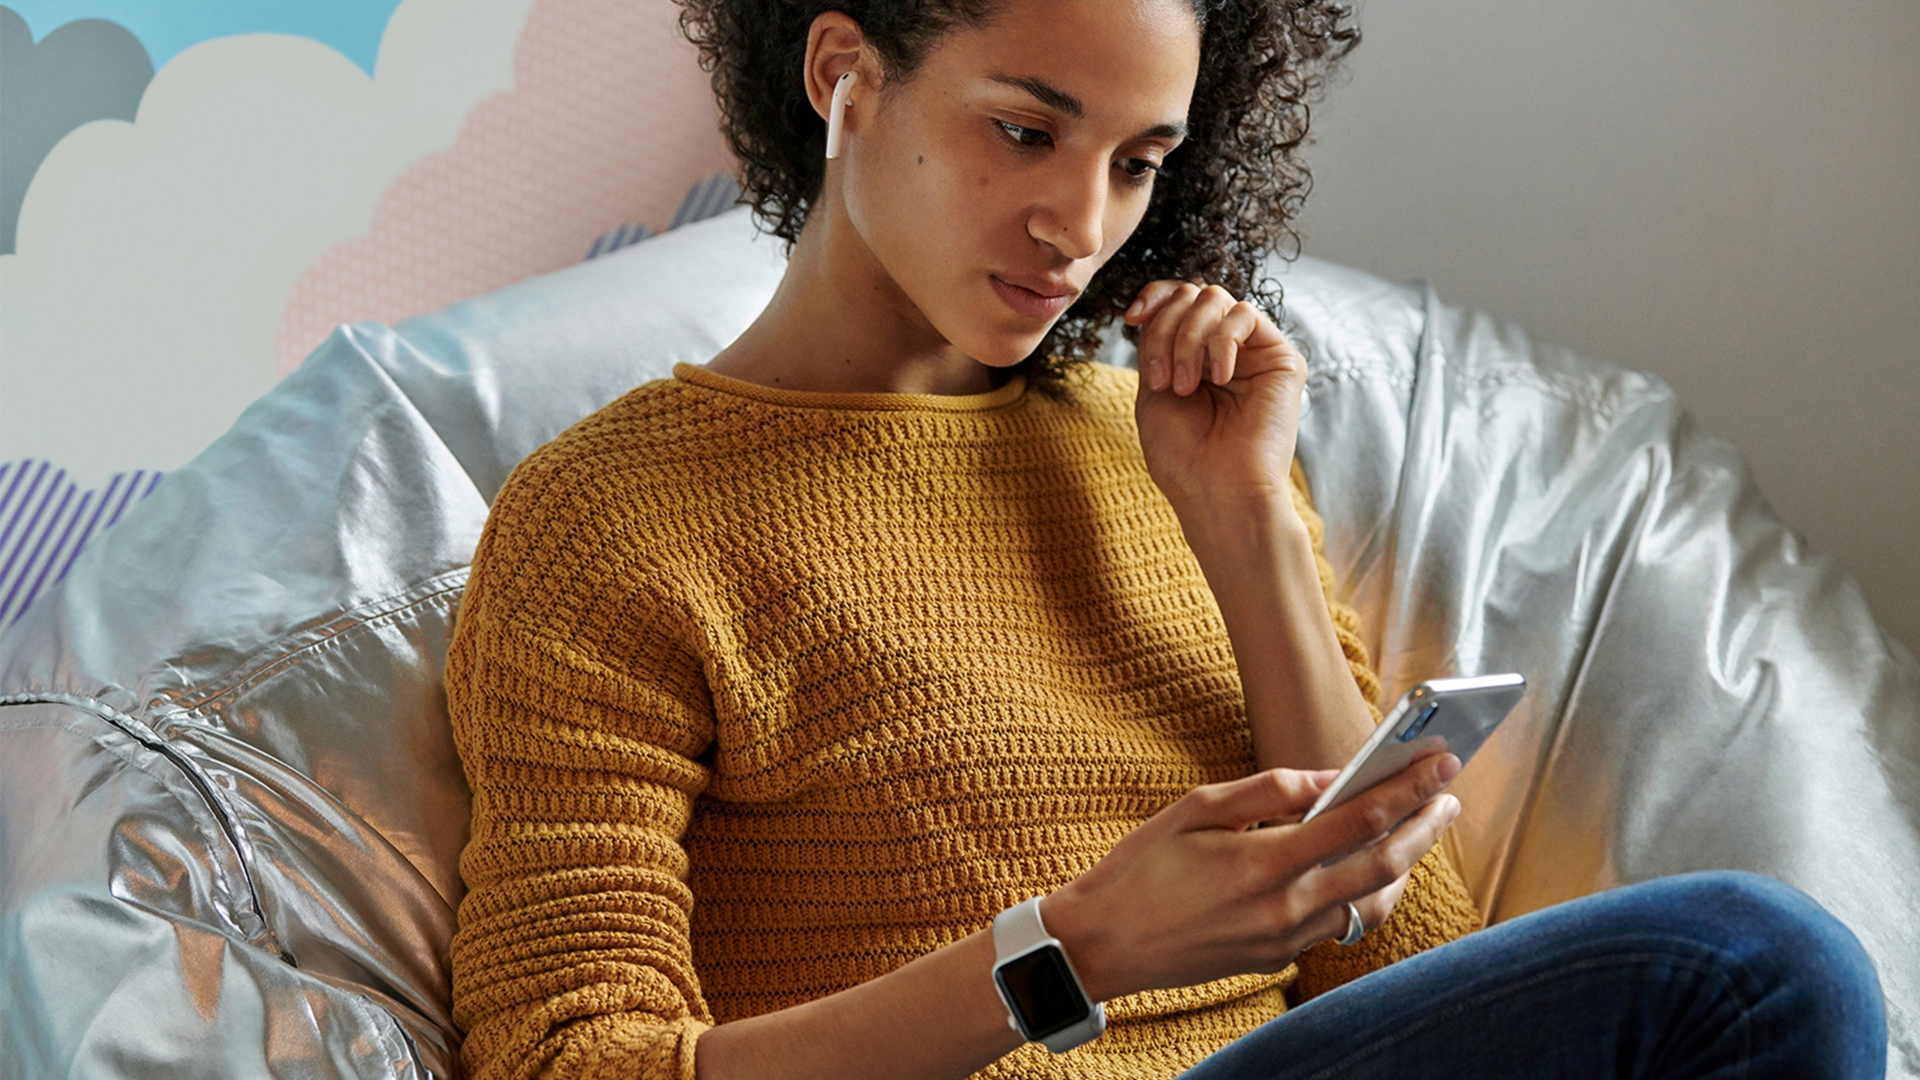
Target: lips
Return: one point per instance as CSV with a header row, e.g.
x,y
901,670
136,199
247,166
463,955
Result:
x,y
1038,300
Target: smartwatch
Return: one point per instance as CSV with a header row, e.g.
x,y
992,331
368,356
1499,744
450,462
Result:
x,y
1045,1003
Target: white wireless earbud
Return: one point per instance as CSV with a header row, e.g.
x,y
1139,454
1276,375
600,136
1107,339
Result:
x,y
837,114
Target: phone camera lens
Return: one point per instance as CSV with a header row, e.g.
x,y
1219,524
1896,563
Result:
x,y
1419,724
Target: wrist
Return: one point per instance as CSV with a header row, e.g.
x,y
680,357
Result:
x,y
1045,997
1240,516
1249,542
1083,938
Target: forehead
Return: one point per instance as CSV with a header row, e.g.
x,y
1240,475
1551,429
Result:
x,y
1125,61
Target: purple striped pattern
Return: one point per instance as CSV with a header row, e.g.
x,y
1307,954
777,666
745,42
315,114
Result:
x,y
44,522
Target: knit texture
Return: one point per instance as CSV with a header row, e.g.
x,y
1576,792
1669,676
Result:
x,y
762,694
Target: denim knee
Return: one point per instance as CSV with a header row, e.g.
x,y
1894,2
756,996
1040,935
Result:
x,y
1798,958
1743,907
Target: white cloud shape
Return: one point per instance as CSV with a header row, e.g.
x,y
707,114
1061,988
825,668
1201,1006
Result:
x,y
138,315
609,121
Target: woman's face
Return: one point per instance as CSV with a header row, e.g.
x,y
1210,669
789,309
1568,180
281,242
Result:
x,y
994,181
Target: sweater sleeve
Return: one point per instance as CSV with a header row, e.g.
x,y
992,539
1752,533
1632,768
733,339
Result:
x,y
1436,907
579,711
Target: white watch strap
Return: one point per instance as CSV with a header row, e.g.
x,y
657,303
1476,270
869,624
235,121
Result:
x,y
1018,929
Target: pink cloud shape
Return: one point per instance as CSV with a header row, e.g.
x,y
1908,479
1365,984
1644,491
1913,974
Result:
x,y
609,121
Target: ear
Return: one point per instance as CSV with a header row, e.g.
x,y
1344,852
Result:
x,y
836,45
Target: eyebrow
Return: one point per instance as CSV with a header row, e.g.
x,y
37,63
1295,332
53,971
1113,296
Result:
x,y
1060,101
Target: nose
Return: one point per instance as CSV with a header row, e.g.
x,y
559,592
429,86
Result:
x,y
1071,218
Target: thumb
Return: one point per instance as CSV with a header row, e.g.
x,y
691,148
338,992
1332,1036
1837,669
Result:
x,y
1272,795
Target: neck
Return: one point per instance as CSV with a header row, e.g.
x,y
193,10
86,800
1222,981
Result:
x,y
838,322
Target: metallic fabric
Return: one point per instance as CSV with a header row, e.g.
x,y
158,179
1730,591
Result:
x,y
1704,692
231,812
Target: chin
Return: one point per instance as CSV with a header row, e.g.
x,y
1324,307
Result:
x,y
986,331
1002,349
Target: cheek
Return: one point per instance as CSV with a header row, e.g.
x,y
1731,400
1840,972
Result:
x,y
960,190
1124,214
932,218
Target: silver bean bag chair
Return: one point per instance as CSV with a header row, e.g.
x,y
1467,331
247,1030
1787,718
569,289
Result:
x,y
230,808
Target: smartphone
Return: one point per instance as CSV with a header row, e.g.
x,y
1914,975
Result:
x,y
1454,715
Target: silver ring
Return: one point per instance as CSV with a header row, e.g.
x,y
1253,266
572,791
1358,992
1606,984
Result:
x,y
1354,927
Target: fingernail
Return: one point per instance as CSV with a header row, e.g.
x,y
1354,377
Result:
x,y
1449,809
1446,768
1134,308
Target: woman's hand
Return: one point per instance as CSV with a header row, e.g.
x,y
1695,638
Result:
x,y
1201,892
1219,402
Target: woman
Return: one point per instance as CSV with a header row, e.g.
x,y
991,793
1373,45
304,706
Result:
x,y
786,685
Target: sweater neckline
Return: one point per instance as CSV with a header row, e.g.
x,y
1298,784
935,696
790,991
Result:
x,y
999,397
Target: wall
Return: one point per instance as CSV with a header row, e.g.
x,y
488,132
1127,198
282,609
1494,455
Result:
x,y
1725,192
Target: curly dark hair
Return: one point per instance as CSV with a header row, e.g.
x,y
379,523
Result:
x,y
1228,195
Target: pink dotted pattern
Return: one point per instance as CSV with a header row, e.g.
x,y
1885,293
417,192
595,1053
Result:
x,y
610,120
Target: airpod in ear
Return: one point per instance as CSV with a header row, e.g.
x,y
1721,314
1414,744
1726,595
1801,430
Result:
x,y
837,114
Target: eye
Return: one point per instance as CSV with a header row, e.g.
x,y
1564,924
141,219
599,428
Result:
x,y
1025,136
1139,170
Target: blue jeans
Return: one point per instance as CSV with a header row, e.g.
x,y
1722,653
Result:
x,y
1703,975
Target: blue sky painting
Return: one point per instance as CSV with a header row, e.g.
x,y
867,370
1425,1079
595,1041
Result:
x,y
352,27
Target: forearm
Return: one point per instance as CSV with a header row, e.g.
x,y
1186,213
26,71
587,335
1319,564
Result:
x,y
938,1016
1303,707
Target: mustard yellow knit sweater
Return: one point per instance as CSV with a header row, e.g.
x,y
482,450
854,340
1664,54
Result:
x,y
762,694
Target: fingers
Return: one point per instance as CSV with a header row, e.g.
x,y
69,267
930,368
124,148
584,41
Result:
x,y
1372,880
1156,337
1374,813
1330,923
1208,338
1222,347
1149,300
1376,838
1381,866
1273,795
1373,908
1190,334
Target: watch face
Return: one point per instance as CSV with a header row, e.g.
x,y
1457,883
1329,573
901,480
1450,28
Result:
x,y
1044,991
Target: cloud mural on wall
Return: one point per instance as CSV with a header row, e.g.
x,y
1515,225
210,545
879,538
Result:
x,y
268,188
609,121
84,71
352,28
153,258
